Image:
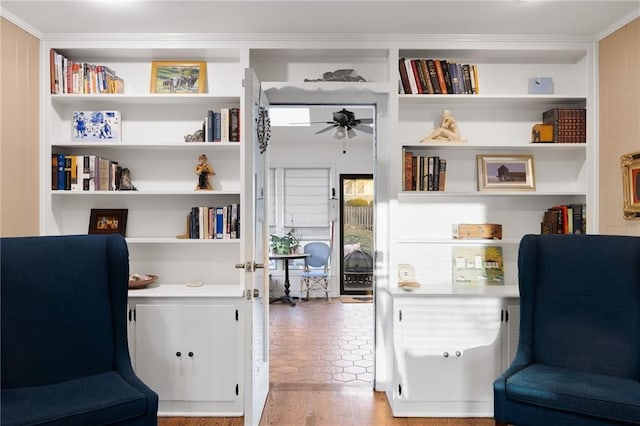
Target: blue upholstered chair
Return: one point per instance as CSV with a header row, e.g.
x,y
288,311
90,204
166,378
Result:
x,y
65,359
578,355
316,269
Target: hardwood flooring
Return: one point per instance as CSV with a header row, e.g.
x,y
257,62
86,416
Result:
x,y
316,381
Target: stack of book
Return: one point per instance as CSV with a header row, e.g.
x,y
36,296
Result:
x,y
84,173
569,124
565,219
214,223
222,126
423,173
69,76
437,77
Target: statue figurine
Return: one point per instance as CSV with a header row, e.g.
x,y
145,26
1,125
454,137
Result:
x,y
447,131
203,170
125,181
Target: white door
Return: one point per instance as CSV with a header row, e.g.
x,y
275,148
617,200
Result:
x,y
255,227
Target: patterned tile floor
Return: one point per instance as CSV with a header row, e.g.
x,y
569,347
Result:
x,y
321,343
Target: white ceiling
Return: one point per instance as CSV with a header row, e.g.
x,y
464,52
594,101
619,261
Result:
x,y
584,18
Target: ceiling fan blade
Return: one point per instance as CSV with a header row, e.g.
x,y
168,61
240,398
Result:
x,y
325,129
366,129
366,120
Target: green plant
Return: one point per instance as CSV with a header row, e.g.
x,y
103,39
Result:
x,y
284,244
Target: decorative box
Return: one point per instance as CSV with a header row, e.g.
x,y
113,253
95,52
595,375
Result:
x,y
492,231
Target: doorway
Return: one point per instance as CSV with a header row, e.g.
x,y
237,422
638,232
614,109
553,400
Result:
x,y
356,234
317,343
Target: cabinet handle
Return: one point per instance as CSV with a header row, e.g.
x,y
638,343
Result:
x,y
458,354
178,354
446,354
190,354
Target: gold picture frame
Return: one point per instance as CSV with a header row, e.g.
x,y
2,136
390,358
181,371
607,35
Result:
x,y
508,172
178,77
630,164
108,221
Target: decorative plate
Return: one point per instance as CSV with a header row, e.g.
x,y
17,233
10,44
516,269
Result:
x,y
141,281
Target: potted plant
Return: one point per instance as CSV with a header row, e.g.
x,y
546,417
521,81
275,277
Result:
x,y
285,244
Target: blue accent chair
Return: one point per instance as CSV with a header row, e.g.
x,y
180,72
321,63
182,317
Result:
x,y
65,359
315,275
578,355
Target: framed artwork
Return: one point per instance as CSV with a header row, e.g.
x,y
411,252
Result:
x,y
631,185
176,77
96,126
506,173
108,221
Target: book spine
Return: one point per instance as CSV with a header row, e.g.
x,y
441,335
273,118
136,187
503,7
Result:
x,y
427,78
234,125
466,76
442,173
447,77
61,164
404,78
408,171
416,77
440,73
433,75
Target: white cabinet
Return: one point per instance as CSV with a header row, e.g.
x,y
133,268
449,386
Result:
x,y
189,352
510,332
447,353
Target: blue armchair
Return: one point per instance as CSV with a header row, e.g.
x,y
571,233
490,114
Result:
x,y
65,359
578,355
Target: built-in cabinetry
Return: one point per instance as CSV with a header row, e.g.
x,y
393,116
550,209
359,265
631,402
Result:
x,y
441,357
448,349
452,339
194,338
185,342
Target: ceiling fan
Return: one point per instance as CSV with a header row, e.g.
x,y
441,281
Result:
x,y
345,124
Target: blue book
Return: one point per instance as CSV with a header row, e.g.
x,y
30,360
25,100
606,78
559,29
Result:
x,y
217,134
220,222
209,132
61,164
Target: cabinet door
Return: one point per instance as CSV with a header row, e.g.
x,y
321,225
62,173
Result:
x,y
211,353
449,350
511,333
161,349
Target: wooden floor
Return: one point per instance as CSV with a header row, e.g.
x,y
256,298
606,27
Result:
x,y
304,399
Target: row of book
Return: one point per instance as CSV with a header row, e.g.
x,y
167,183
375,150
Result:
x,y
69,76
214,223
565,219
569,124
222,126
437,77
86,173
423,173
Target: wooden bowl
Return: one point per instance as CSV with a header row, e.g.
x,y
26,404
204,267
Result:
x,y
141,281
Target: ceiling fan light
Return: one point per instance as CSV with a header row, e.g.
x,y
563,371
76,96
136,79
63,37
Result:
x,y
339,133
351,133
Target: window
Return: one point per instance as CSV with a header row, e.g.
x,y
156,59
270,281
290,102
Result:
x,y
299,199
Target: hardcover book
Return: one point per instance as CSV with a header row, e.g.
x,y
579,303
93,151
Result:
x,y
96,126
477,265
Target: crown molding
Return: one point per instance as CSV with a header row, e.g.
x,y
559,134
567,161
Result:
x,y
20,23
619,24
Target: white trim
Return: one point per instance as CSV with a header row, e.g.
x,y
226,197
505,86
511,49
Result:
x,y
618,24
20,23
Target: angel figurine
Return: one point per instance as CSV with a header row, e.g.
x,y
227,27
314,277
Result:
x,y
203,170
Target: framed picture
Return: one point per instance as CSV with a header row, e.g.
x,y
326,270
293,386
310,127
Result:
x,y
108,221
631,185
506,173
178,77
96,126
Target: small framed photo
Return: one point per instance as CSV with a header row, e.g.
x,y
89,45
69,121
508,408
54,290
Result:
x,y
631,185
506,173
176,77
108,221
96,126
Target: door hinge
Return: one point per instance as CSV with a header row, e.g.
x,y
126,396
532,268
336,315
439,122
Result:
x,y
237,389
